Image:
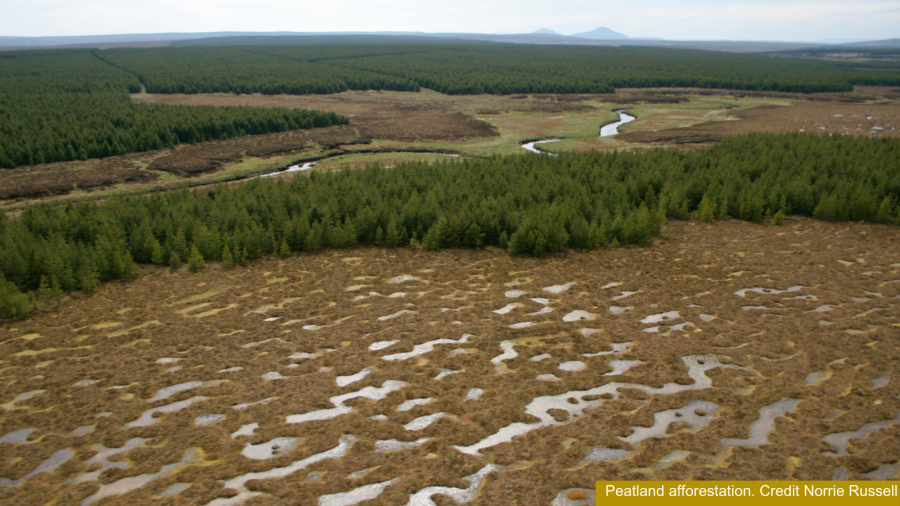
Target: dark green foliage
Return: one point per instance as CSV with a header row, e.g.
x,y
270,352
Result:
x,y
707,209
263,69
227,258
69,104
884,211
14,305
778,219
531,205
473,68
195,261
284,250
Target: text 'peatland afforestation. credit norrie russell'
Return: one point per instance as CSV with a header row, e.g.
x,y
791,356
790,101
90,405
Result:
x,y
820,493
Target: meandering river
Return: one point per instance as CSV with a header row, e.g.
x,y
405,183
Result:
x,y
605,131
613,128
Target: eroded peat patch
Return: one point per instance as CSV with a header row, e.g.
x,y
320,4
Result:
x,y
393,377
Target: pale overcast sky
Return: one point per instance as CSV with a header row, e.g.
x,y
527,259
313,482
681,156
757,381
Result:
x,y
785,20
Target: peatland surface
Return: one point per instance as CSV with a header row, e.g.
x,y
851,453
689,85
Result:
x,y
727,350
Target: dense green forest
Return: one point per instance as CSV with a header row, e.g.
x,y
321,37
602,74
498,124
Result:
x,y
69,104
530,205
58,105
218,69
475,68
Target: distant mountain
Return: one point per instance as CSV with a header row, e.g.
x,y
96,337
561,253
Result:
x,y
875,43
601,33
545,31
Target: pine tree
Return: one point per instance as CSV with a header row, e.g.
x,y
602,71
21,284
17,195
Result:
x,y
391,236
14,305
227,259
707,209
778,219
594,238
432,240
88,279
284,250
48,292
327,240
349,239
473,238
723,210
313,242
195,262
884,211
174,261
451,232
157,255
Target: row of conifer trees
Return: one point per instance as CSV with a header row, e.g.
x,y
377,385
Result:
x,y
527,204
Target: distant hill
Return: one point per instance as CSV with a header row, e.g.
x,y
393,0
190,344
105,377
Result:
x,y
601,33
119,39
598,37
875,43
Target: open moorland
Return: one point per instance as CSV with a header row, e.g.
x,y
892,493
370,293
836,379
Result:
x,y
725,351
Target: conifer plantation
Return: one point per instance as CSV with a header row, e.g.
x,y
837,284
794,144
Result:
x,y
529,205
60,105
473,68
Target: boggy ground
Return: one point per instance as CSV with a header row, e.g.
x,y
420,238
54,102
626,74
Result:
x,y
824,118
726,350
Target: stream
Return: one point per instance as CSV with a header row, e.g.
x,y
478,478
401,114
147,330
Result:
x,y
530,146
613,128
607,130
292,168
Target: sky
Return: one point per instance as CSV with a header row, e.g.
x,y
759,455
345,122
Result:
x,y
776,20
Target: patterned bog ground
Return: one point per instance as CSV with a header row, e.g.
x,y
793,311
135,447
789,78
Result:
x,y
369,376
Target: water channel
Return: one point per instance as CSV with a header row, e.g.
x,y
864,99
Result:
x,y
292,168
613,128
607,130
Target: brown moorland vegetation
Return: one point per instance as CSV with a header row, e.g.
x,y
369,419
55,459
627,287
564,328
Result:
x,y
777,346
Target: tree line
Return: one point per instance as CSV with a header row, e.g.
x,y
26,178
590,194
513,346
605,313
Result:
x,y
528,205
